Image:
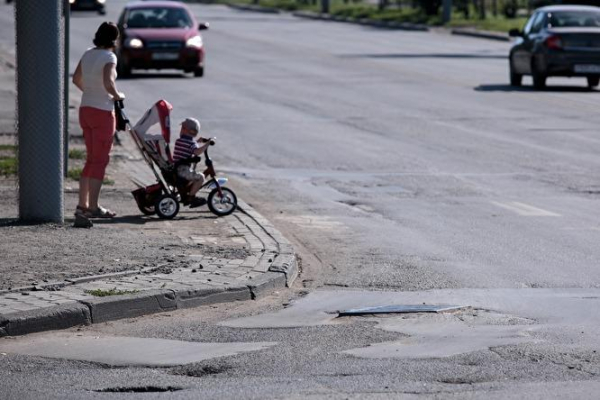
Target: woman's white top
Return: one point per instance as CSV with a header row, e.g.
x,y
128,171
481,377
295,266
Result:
x,y
92,67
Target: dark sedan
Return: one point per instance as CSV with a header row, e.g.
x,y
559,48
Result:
x,y
95,5
160,35
557,41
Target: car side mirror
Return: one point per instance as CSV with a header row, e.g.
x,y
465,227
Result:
x,y
515,33
202,26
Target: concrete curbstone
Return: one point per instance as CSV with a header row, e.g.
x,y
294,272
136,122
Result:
x,y
128,306
406,26
45,319
287,265
202,297
3,322
266,284
92,278
481,34
254,8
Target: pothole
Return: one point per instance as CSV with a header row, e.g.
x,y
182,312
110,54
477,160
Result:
x,y
463,380
200,371
357,206
139,389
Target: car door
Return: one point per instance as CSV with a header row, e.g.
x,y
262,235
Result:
x,y
522,52
532,40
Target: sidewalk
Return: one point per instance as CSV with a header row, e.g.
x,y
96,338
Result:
x,y
55,277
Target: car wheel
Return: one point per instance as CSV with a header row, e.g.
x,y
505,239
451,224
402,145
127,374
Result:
x,y
539,79
199,72
515,79
593,81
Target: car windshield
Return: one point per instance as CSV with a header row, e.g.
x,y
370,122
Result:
x,y
155,17
564,19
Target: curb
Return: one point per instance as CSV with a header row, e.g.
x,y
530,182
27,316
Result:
x,y
254,8
406,26
285,260
278,261
46,319
481,34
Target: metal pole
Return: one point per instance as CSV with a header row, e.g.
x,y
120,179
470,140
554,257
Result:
x,y
67,16
40,108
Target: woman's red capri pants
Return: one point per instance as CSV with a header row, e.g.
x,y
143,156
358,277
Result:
x,y
98,130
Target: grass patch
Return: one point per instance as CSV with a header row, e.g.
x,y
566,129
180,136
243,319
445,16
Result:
x,y
8,166
496,24
394,13
110,292
8,160
77,154
370,11
75,174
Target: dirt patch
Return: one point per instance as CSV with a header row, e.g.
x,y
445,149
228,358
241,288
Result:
x,y
224,251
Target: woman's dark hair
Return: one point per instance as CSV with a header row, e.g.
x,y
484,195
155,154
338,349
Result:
x,y
106,35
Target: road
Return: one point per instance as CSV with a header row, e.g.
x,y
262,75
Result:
x,y
404,169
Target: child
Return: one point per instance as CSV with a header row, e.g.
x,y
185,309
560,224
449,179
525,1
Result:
x,y
186,147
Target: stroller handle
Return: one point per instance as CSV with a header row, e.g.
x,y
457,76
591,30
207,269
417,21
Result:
x,y
120,104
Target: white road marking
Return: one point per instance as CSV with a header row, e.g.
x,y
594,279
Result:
x,y
525,209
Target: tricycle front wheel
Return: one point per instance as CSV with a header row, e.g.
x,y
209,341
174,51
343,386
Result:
x,y
224,204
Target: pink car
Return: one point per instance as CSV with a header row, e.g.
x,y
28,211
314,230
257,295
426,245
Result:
x,y
160,35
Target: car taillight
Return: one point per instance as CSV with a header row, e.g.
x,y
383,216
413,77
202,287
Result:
x,y
553,43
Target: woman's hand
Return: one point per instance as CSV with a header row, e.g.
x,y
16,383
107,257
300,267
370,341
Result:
x,y
109,76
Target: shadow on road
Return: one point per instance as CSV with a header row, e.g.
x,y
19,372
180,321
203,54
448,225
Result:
x,y
186,215
509,88
426,55
153,75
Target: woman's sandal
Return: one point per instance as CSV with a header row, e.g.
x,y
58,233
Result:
x,y
82,218
102,212
83,212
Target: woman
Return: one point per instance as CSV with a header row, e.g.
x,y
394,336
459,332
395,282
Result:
x,y
95,76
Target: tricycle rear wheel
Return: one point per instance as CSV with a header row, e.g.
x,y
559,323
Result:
x,y
166,206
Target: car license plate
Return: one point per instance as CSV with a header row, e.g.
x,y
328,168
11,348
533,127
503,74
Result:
x,y
587,68
165,56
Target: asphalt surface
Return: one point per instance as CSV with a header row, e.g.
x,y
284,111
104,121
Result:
x,y
395,161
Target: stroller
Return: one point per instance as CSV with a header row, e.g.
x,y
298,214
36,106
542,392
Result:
x,y
164,197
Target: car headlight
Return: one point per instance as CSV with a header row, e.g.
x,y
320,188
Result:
x,y
195,41
101,1
134,43
71,1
